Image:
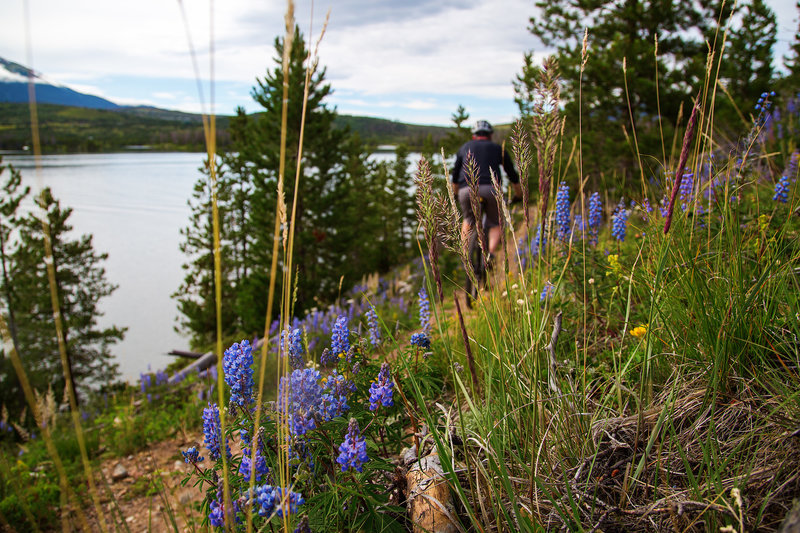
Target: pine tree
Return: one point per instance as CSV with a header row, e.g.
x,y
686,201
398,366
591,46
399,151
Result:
x,y
331,220
746,67
197,295
454,139
13,194
81,284
791,82
622,31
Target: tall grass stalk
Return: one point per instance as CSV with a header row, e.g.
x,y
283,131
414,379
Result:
x,y
10,348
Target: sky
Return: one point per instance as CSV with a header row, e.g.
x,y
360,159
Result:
x,y
413,61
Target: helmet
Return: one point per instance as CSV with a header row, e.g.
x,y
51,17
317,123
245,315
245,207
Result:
x,y
482,126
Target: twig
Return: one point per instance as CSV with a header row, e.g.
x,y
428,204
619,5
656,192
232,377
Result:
x,y
470,358
551,350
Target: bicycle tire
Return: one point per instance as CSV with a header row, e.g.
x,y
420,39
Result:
x,y
475,257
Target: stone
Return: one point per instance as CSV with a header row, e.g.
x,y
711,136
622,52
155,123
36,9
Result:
x,y
119,473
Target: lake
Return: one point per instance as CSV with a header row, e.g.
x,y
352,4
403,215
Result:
x,y
134,205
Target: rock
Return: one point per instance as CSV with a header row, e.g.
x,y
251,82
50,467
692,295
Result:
x,y
178,465
791,524
185,498
119,473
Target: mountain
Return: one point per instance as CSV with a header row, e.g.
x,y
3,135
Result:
x,y
14,88
70,121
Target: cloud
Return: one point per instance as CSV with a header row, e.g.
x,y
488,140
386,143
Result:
x,y
412,52
163,95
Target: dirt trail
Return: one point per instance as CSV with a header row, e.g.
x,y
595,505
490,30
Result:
x,y
140,502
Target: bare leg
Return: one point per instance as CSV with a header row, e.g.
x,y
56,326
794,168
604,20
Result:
x,y
466,228
494,239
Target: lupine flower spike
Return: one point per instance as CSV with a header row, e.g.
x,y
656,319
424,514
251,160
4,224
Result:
x,y
421,340
295,349
620,222
595,217
562,212
424,311
374,329
782,190
237,363
381,390
213,432
340,340
353,451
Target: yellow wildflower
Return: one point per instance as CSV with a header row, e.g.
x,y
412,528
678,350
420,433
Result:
x,y
639,331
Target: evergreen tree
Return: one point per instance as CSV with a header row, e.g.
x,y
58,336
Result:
x,y
353,217
197,294
81,284
746,67
12,196
336,223
454,139
618,31
791,82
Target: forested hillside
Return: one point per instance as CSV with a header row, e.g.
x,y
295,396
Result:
x,y
66,129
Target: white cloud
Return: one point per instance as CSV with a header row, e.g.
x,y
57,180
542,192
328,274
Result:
x,y
389,51
162,95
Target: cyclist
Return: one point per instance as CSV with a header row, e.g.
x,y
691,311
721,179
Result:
x,y
489,157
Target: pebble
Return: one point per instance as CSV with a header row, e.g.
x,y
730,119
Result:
x,y
119,473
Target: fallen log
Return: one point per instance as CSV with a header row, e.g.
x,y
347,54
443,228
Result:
x,y
429,501
184,353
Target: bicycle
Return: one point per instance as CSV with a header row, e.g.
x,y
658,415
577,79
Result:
x,y
476,257
476,260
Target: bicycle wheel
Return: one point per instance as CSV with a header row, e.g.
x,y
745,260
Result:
x,y
478,268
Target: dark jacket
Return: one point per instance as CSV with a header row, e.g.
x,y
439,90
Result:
x,y
489,156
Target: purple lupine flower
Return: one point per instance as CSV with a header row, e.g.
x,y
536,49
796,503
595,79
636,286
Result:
x,y
300,396
327,357
686,188
161,377
340,339
791,169
353,451
562,212
237,364
782,190
619,222
269,500
537,239
213,432
145,382
374,330
578,226
381,390
216,515
295,350
547,291
191,455
424,310
334,397
421,340
261,464
595,217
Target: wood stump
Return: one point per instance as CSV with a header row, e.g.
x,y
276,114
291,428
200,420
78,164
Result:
x,y
429,501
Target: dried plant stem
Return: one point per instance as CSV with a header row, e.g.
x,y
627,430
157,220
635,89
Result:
x,y
49,260
467,347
